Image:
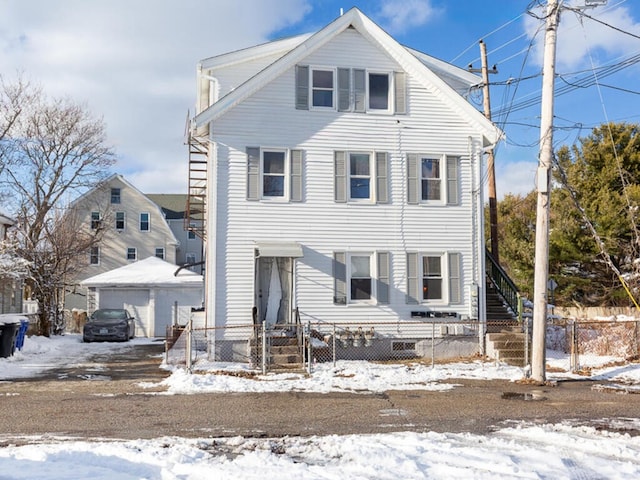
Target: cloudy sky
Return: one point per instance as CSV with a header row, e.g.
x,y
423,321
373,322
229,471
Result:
x,y
133,63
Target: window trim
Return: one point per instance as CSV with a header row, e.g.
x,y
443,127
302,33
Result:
x,y
441,179
124,221
312,89
95,220
285,175
372,278
443,274
390,92
378,177
148,222
94,252
372,178
451,274
118,196
450,194
131,254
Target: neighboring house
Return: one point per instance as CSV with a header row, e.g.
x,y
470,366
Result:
x,y
10,285
154,292
135,229
190,246
344,184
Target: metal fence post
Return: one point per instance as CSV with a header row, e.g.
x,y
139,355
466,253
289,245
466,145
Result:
x,y
188,348
334,344
433,343
264,347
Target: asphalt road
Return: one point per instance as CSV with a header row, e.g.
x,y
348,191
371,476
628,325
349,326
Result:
x,y
103,398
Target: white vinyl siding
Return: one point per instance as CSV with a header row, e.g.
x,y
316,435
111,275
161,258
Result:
x,y
323,224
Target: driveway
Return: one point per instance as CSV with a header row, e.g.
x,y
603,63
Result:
x,y
109,396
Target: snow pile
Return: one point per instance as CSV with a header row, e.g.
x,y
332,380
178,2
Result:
x,y
523,451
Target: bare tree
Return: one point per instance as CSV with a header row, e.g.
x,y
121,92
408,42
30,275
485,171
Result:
x,y
57,150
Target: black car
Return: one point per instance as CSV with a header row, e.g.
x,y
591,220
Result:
x,y
109,324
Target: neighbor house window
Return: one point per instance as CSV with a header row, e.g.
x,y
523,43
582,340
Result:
x,y
119,220
132,253
434,277
94,256
160,252
361,277
274,174
190,258
360,177
145,225
322,88
95,220
433,179
115,195
191,234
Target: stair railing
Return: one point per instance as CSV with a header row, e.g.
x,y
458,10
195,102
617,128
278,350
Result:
x,y
504,285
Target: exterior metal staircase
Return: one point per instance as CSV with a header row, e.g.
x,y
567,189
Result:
x,y
195,215
505,338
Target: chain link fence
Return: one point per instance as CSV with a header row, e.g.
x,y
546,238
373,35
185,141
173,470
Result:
x,y
300,346
595,342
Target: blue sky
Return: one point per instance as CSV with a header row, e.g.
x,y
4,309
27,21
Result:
x,y
133,63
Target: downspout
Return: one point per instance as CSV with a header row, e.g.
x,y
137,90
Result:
x,y
478,241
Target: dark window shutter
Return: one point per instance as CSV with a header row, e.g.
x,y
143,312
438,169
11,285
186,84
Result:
x,y
302,87
400,86
455,279
383,277
296,176
413,179
412,278
340,177
453,183
382,181
344,89
359,91
253,173
340,278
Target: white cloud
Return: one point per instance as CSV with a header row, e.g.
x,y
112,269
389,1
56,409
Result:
x,y
401,15
516,177
580,39
134,64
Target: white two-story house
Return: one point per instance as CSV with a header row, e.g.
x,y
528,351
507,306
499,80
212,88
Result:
x,y
344,183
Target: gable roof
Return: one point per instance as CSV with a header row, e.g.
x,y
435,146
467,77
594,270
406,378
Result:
x,y
409,62
151,271
174,205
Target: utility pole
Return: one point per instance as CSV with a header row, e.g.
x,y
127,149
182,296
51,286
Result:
x,y
493,204
538,354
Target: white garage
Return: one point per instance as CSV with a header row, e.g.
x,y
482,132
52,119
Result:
x,y
151,291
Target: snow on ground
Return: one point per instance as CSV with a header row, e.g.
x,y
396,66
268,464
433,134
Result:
x,y
521,451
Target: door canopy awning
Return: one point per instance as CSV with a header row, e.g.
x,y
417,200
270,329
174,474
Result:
x,y
279,249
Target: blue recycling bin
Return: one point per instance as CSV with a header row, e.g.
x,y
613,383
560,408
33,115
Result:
x,y
8,333
22,332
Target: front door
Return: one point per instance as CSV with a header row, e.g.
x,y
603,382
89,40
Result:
x,y
274,281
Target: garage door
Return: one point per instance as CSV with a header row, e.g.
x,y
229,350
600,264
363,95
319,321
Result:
x,y
136,301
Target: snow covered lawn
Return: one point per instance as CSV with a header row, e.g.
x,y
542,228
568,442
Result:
x,y
522,451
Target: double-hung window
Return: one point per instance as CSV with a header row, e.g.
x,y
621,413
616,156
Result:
x,y
361,277
95,220
322,88
120,220
160,252
361,177
115,195
145,222
132,253
94,256
274,174
433,179
434,278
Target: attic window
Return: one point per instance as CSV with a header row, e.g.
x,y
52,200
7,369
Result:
x,y
115,195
